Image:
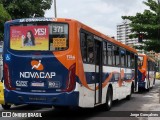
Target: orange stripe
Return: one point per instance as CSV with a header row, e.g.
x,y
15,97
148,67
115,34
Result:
x,y
120,81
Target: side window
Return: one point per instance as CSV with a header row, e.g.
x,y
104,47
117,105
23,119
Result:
x,y
154,69
123,53
104,53
117,56
128,60
109,53
113,55
152,66
84,47
132,60
90,49
149,66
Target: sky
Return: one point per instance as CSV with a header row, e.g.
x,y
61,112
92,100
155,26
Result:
x,y
101,15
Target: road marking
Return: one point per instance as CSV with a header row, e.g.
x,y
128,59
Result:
x,y
148,96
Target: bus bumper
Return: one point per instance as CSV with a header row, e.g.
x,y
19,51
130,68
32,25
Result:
x,y
141,84
59,99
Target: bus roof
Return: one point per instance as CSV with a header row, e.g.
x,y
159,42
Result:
x,y
89,29
114,41
145,55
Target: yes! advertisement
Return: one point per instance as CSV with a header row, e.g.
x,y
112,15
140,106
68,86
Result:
x,y
29,37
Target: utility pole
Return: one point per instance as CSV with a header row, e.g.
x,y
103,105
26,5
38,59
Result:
x,y
158,19
55,9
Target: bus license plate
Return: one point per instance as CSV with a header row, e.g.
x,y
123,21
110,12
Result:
x,y
37,84
53,84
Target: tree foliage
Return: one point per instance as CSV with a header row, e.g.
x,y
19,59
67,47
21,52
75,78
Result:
x,y
26,8
148,23
15,9
4,16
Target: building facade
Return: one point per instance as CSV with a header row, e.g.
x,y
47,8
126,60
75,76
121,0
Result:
x,y
123,32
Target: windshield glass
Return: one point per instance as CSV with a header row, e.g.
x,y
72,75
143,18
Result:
x,y
30,36
140,61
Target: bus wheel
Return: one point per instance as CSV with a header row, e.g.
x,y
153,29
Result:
x,y
108,103
6,106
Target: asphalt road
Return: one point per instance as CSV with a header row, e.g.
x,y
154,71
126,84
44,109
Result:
x,y
141,101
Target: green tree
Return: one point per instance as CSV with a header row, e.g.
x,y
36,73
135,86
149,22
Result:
x,y
15,9
4,16
26,8
148,23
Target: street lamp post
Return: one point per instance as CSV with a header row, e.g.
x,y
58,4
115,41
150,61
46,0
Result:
x,y
55,9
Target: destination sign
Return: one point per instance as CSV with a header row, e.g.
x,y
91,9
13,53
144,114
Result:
x,y
37,19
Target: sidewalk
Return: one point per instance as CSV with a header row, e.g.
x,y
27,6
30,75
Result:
x,y
155,105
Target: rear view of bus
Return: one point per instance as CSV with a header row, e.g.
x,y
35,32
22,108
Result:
x,y
146,72
39,62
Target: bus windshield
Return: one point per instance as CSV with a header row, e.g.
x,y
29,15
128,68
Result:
x,y
43,37
140,61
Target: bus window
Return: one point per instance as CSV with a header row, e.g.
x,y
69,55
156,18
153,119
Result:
x,y
128,60
32,37
83,47
153,66
58,37
149,65
104,53
140,61
122,52
116,53
109,53
132,60
90,49
113,55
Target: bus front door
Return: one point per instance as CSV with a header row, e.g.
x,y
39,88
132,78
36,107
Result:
x,y
98,72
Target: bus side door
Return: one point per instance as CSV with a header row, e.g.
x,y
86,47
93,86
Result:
x,y
123,70
98,71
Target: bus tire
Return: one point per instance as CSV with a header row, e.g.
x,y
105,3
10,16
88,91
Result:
x,y
109,98
6,106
